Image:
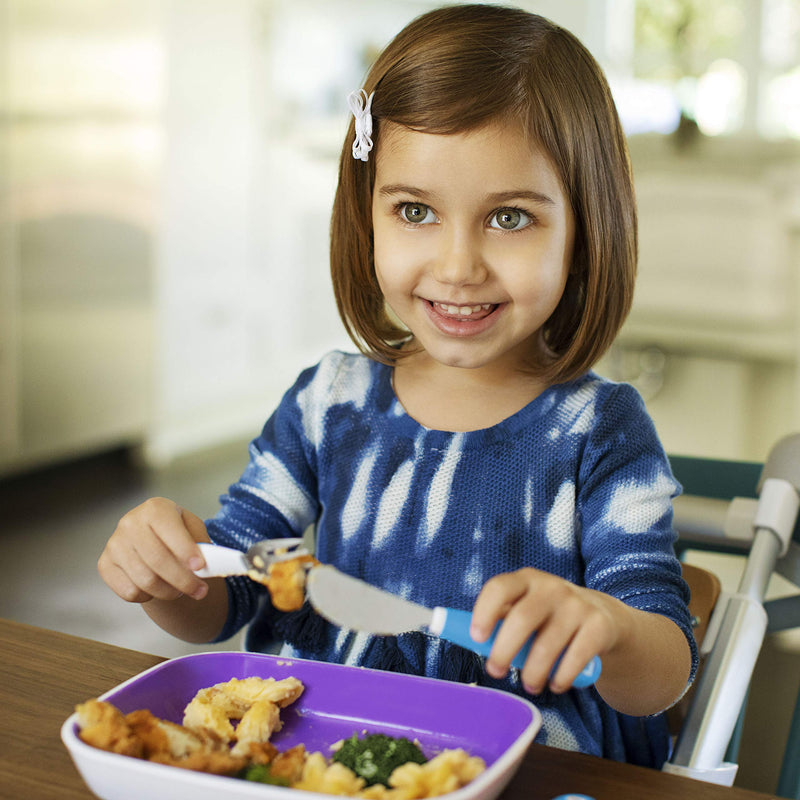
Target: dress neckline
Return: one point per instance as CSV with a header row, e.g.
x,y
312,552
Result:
x,y
507,428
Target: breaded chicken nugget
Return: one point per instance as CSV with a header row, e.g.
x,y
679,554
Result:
x,y
216,762
289,764
103,725
257,725
247,691
286,582
203,715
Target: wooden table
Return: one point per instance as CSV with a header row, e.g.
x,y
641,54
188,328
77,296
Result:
x,y
43,674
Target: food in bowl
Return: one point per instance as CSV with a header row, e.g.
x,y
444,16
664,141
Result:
x,y
227,728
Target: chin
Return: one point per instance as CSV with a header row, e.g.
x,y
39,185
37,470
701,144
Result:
x,y
459,360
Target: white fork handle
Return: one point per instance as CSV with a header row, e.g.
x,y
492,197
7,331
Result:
x,y
221,561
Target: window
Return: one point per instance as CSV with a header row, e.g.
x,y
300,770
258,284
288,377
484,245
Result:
x,y
727,66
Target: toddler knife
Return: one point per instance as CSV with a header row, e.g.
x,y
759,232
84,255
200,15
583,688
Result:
x,y
351,603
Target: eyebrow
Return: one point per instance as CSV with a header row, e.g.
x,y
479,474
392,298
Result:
x,y
394,189
398,188
522,194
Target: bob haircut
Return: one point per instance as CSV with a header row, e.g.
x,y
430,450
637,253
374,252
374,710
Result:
x,y
453,70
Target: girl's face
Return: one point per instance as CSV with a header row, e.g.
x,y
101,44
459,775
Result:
x,y
473,242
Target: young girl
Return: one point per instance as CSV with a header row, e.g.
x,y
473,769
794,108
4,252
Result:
x,y
483,256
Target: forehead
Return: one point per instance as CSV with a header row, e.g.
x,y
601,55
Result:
x,y
494,157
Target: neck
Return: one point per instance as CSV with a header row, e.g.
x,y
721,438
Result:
x,y
456,399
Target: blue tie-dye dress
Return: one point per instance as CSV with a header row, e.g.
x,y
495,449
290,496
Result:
x,y
576,483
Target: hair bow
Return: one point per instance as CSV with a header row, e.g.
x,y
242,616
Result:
x,y
361,106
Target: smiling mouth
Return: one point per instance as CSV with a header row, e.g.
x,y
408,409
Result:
x,y
465,312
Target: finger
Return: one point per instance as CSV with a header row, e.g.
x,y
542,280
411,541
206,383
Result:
x,y
119,582
150,565
155,569
168,525
493,603
522,621
178,528
186,549
551,641
581,650
195,526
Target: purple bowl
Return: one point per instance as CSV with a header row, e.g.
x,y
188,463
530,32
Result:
x,y
337,702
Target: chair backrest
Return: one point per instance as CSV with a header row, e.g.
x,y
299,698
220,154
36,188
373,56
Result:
x,y
705,590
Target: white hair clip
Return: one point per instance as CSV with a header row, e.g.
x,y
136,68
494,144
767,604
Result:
x,y
361,106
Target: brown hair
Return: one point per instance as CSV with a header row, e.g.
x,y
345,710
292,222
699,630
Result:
x,y
453,70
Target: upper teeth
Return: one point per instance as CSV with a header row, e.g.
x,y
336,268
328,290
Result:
x,y
464,311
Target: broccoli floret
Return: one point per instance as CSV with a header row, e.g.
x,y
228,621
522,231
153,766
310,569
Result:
x,y
260,773
375,757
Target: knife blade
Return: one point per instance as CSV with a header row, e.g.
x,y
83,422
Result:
x,y
357,605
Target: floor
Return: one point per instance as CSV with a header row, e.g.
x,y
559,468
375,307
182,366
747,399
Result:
x,y
56,522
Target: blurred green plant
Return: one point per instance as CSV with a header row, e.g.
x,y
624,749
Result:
x,y
676,39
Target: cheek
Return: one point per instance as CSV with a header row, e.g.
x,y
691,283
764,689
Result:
x,y
539,275
556,283
398,259
389,272
383,244
544,294
382,260
559,259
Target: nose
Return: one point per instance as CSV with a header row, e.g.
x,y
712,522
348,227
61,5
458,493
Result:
x,y
460,259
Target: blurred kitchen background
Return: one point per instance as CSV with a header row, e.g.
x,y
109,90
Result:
x,y
166,174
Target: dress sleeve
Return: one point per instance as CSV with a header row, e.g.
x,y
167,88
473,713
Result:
x,y
274,497
625,494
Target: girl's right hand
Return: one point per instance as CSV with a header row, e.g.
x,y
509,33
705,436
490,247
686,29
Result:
x,y
153,552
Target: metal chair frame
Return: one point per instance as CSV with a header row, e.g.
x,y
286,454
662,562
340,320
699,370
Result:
x,y
763,529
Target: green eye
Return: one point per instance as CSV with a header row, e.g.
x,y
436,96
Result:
x,y
510,219
417,213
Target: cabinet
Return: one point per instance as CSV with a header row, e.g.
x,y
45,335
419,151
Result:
x,y
79,154
156,288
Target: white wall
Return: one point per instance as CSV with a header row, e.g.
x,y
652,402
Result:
x,y
203,240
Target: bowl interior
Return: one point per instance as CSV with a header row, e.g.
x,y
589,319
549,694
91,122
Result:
x,y
339,701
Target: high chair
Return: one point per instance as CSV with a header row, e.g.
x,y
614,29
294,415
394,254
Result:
x,y
705,590
731,626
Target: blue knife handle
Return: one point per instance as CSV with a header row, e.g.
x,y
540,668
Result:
x,y
456,630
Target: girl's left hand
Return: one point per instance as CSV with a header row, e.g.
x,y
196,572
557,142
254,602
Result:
x,y
568,619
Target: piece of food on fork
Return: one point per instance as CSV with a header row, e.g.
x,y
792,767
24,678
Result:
x,y
279,564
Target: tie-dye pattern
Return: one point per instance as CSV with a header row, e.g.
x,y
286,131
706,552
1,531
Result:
x,y
576,483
